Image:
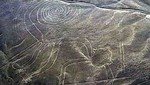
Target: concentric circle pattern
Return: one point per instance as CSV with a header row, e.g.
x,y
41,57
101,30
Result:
x,y
52,12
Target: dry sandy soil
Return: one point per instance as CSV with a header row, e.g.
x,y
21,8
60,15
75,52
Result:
x,y
74,42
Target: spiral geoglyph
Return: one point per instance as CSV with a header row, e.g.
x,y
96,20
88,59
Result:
x,y
51,12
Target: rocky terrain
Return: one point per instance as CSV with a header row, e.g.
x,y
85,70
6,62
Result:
x,y
75,42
